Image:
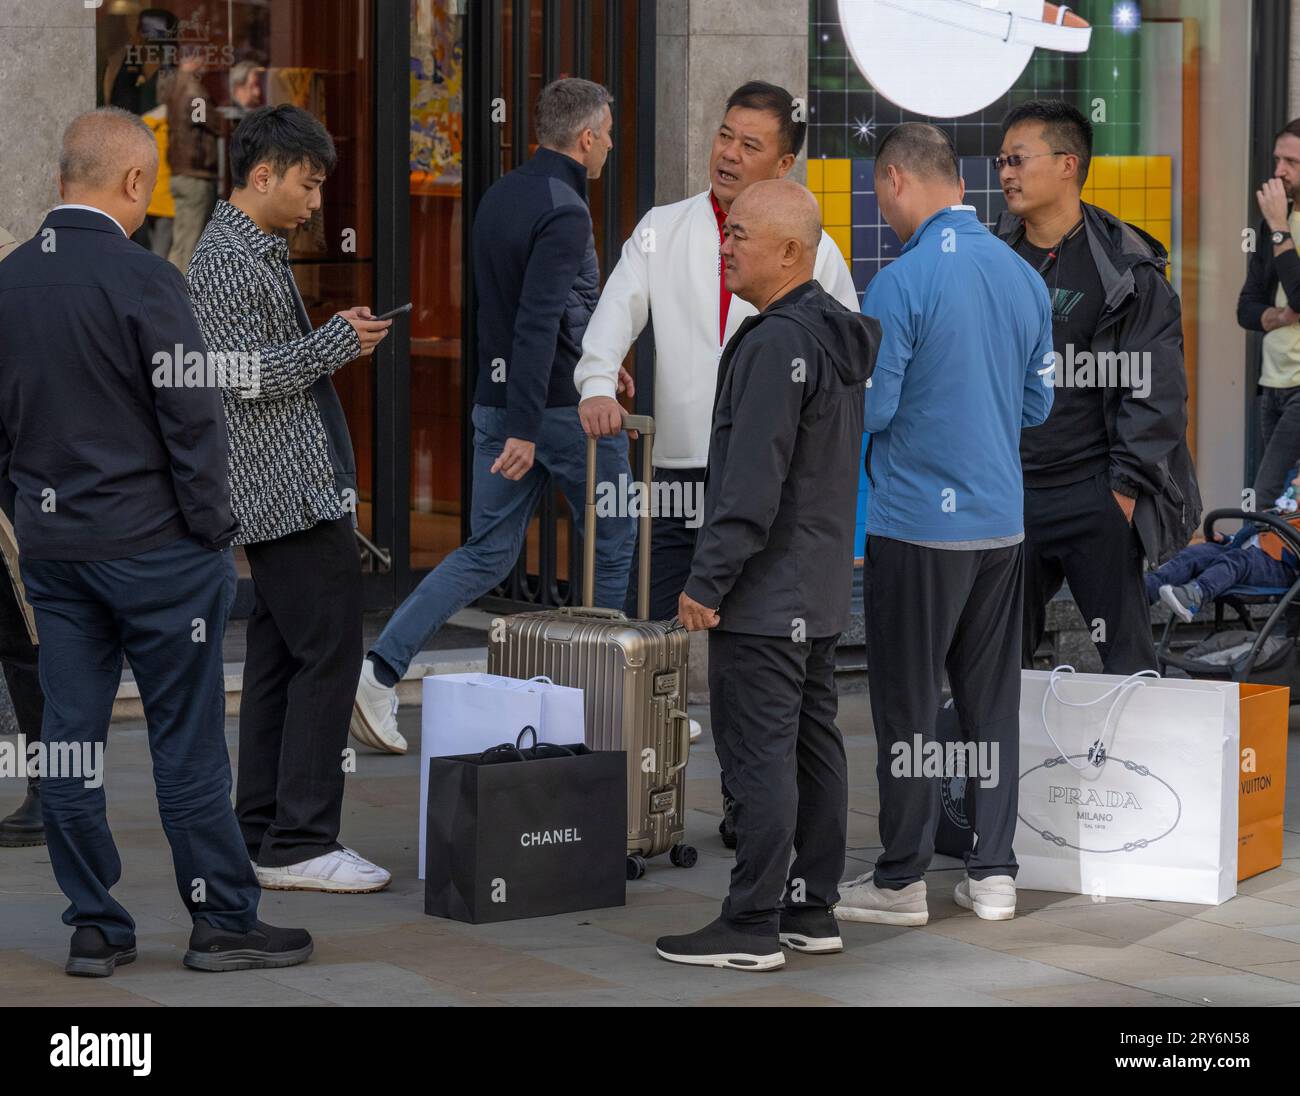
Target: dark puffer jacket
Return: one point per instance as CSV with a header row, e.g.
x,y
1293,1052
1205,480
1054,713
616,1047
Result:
x,y
1148,433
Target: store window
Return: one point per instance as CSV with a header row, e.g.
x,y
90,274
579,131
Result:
x,y
1166,84
317,54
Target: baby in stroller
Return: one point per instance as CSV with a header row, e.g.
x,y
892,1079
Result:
x,y
1250,557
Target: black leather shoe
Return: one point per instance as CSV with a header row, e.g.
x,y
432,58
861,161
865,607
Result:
x,y
266,946
720,945
91,956
26,826
727,827
810,929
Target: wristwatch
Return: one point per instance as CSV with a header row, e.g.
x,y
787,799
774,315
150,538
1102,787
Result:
x,y
1279,236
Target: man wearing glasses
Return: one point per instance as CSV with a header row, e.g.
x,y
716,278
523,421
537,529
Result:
x,y
1108,477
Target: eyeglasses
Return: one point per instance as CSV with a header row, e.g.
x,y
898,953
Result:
x,y
1015,159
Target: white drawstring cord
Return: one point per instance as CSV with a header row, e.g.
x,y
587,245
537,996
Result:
x,y
1124,688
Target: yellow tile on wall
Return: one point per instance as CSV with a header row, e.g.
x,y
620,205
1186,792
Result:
x,y
1162,231
836,176
1160,171
1132,204
837,209
1104,172
1107,200
815,175
1158,203
843,237
1132,171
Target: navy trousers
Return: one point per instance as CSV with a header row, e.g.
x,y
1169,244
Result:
x,y
166,611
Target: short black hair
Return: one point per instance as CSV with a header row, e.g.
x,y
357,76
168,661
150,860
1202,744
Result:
x,y
1291,129
281,136
920,149
775,100
1064,127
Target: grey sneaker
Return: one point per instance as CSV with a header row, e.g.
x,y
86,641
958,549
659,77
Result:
x,y
862,900
1185,601
993,899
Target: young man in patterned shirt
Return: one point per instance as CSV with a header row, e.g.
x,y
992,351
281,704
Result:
x,y
293,488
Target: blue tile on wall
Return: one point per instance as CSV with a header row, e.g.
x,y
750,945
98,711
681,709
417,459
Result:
x,y
863,175
975,170
865,209
866,242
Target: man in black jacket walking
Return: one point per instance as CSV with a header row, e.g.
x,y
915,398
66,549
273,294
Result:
x,y
537,283
115,479
771,576
1108,477
1270,302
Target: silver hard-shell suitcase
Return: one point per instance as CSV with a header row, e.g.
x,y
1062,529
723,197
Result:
x,y
633,674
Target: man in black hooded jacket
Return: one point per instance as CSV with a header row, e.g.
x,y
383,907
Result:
x,y
771,576
1108,476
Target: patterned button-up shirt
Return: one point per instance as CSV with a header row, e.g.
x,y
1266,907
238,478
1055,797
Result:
x,y
291,462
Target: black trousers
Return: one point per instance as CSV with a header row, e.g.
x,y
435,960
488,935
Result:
x,y
148,607
19,656
1078,534
927,610
672,545
773,706
1279,436
300,679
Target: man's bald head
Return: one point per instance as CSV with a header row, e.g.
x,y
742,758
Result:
x,y
101,146
109,160
774,228
784,208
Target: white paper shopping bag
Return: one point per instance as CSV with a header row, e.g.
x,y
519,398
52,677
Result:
x,y
469,713
1128,786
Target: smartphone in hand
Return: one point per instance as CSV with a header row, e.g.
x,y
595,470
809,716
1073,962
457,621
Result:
x,y
395,312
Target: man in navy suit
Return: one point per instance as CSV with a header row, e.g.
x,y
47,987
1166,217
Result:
x,y
113,470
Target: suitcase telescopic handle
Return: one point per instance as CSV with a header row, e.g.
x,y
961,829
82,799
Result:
x,y
645,426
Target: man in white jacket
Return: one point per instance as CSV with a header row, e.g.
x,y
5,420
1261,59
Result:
x,y
670,273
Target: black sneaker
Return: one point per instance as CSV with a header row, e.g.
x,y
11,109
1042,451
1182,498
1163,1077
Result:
x,y
727,827
720,945
265,946
92,956
25,827
810,928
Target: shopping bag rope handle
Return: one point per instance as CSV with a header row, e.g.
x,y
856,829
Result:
x,y
1096,758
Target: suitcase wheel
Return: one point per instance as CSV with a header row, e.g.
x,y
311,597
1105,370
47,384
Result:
x,y
683,856
636,865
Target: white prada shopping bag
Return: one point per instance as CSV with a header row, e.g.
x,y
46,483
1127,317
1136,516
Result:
x,y
470,713
1128,786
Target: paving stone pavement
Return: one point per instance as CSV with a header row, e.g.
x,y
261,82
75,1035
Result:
x,y
383,950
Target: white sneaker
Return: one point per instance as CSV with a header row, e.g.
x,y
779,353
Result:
x,y
340,872
862,900
697,732
374,714
993,899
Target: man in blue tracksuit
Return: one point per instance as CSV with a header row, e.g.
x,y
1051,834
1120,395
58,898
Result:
x,y
965,362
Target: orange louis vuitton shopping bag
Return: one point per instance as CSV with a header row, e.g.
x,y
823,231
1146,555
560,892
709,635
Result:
x,y
1262,777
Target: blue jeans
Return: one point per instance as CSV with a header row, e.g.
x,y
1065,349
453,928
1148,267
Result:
x,y
1216,568
88,615
499,515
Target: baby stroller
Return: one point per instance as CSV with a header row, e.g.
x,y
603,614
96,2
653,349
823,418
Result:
x,y
1264,654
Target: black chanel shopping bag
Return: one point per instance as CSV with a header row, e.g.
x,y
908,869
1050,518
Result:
x,y
525,832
